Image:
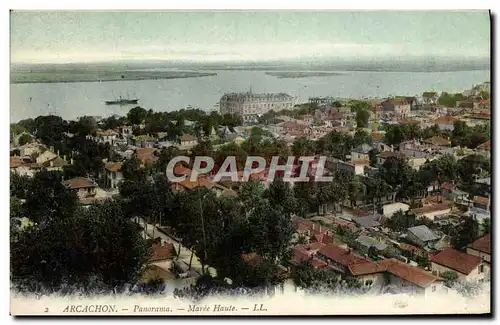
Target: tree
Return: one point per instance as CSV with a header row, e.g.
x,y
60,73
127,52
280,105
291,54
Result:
x,y
19,185
314,280
280,193
373,154
86,125
93,248
136,115
468,232
252,194
485,94
303,147
362,116
25,138
47,199
401,221
450,278
271,228
50,129
132,171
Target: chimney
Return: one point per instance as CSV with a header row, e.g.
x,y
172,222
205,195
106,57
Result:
x,y
57,153
52,163
52,148
64,157
71,162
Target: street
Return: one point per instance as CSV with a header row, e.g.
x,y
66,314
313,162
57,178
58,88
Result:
x,y
184,253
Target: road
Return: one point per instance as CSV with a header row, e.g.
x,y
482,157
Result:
x,y
184,253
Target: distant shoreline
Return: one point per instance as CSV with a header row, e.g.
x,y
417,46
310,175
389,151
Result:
x,y
99,76
302,74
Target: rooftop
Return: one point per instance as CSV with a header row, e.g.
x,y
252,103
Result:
x,y
483,244
79,182
456,260
162,252
423,233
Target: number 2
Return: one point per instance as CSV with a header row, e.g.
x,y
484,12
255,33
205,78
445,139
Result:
x,y
46,309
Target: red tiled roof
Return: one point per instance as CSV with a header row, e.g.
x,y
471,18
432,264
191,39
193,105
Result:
x,y
79,182
366,267
145,155
318,264
449,186
162,252
483,244
456,260
187,137
409,273
181,170
114,166
431,208
445,120
343,256
438,141
252,259
481,200
188,184
485,146
15,161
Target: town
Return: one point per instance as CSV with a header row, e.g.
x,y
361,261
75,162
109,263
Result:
x,y
407,210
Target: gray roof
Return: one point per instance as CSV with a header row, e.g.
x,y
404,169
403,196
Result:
x,y
363,148
423,233
369,241
367,221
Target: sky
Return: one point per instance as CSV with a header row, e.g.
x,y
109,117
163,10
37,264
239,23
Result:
x,y
90,36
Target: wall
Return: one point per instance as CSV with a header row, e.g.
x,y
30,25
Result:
x,y
474,275
433,215
484,256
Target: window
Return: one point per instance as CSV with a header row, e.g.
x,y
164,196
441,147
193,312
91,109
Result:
x,y
434,288
481,268
368,282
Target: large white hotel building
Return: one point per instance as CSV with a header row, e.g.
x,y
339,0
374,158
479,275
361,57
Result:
x,y
250,105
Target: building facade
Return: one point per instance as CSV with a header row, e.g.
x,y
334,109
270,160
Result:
x,y
250,105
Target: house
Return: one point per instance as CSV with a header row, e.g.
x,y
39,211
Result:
x,y
422,236
404,278
84,187
397,106
163,255
187,141
146,156
368,221
24,167
144,141
106,136
430,98
55,164
484,148
432,211
445,123
361,152
45,156
388,210
126,131
366,242
438,142
303,253
467,267
32,149
481,248
383,156
355,168
481,202
114,174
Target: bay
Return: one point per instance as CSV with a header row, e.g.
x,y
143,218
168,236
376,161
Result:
x,y
71,100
